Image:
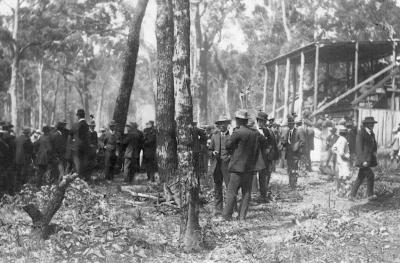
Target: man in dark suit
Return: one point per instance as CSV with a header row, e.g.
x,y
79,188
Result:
x,y
149,150
270,153
366,148
133,141
23,158
80,145
93,146
110,156
59,141
9,162
44,154
244,145
294,140
219,161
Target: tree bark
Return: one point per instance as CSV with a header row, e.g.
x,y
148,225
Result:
x,y
14,70
53,112
100,105
192,239
129,66
224,74
165,110
41,228
40,91
284,21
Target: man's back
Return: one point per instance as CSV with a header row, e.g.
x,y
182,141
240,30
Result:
x,y
134,142
24,149
80,136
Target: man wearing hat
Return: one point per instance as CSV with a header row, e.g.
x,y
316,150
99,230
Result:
x,y
219,161
293,141
59,141
330,141
9,162
149,150
110,156
23,158
309,143
246,159
45,154
133,141
366,148
270,153
93,144
80,145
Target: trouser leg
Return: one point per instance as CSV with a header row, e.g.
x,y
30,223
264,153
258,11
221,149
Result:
x,y
262,181
292,171
127,170
246,183
218,195
370,181
329,157
360,178
233,187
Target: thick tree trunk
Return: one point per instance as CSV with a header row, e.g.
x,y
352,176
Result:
x,y
40,91
41,228
14,70
100,106
54,109
184,119
165,110
129,66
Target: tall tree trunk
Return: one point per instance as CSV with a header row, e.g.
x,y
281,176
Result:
x,y
284,21
224,74
129,66
40,91
66,88
165,110
54,108
14,70
184,119
23,100
100,105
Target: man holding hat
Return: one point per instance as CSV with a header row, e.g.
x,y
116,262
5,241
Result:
x,y
219,161
80,145
269,151
294,140
246,159
110,145
366,148
133,142
23,158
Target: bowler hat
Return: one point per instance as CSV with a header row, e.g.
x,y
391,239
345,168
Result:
x,y
242,114
112,123
222,119
262,116
80,112
369,120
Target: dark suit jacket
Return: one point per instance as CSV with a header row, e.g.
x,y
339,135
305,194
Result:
x,y
59,142
111,141
244,145
80,137
366,148
134,144
150,143
218,141
295,147
24,150
44,150
270,151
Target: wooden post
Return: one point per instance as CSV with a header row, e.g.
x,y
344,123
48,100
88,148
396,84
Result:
x,y
393,106
275,89
301,84
316,77
292,106
286,84
265,89
356,68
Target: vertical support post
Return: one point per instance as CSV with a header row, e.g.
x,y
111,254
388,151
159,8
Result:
x,y
301,84
265,89
393,106
316,77
286,86
275,89
294,78
356,67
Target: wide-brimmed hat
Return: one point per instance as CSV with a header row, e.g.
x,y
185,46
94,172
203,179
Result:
x,y
262,116
369,120
271,120
112,123
223,119
242,114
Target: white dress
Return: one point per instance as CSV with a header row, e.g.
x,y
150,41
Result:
x,y
341,148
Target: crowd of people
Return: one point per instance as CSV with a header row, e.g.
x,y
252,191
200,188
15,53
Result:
x,y
40,157
232,152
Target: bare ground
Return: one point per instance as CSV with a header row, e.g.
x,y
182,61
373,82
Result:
x,y
103,224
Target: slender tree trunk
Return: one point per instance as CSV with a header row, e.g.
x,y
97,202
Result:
x,y
284,21
224,74
184,118
53,112
165,110
40,91
129,66
66,88
14,70
100,105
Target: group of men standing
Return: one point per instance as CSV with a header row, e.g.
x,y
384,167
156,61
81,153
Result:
x,y
56,150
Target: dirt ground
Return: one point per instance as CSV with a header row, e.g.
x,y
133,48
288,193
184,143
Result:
x,y
101,223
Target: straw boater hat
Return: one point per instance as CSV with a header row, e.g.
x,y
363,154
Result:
x,y
341,128
369,120
223,119
262,116
242,114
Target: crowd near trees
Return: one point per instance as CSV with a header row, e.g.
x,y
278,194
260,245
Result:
x,y
57,56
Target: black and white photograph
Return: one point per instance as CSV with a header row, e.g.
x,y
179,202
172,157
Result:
x,y
199,131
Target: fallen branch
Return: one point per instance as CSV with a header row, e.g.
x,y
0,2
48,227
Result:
x,y
141,195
